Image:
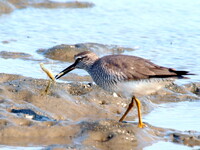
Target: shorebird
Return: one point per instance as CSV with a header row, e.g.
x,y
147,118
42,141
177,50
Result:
x,y
128,75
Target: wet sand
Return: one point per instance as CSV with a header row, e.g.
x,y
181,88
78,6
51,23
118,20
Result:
x,y
81,115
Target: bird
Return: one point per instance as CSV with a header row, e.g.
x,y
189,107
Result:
x,y
127,75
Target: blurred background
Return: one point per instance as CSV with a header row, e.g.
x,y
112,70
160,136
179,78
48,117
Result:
x,y
165,31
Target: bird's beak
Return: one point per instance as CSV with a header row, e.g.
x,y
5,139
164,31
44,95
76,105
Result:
x,y
65,71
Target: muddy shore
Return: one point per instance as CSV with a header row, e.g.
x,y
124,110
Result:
x,y
75,113
10,5
81,115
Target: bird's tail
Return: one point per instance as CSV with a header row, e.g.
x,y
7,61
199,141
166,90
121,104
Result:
x,y
172,73
180,74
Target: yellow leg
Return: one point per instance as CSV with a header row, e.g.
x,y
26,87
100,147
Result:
x,y
140,124
127,111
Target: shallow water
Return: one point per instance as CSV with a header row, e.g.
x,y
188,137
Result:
x,y
167,146
4,147
181,116
167,32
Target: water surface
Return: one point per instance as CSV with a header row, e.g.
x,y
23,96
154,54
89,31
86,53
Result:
x,y
166,32
183,116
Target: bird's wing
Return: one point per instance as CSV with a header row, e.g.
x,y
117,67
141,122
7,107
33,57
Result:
x,y
135,68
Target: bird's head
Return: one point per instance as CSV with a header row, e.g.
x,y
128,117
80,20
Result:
x,y
83,60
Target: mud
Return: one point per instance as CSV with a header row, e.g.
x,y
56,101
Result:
x,y
66,52
5,7
80,115
10,5
14,55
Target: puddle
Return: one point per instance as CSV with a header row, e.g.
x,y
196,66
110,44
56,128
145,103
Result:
x,y
168,146
181,116
4,147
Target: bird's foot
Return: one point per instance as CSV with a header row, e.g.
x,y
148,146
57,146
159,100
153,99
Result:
x,y
141,125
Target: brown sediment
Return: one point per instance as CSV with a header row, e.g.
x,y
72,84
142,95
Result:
x,y
5,7
65,52
10,5
76,78
14,55
51,4
80,113
194,88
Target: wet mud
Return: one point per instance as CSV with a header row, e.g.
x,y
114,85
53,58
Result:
x,y
15,55
66,52
10,5
80,115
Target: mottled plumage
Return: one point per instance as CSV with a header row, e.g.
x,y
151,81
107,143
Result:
x,y
125,74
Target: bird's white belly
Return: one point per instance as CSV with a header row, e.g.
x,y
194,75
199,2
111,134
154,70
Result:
x,y
141,87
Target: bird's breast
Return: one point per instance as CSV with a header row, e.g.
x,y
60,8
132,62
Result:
x,y
140,87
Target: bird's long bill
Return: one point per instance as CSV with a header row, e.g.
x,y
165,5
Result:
x,y
65,71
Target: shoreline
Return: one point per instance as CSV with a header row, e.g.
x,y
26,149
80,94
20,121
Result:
x,y
75,111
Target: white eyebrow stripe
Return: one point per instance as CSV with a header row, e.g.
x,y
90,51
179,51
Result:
x,y
79,57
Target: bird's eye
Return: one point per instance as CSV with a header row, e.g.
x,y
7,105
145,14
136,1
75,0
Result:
x,y
80,58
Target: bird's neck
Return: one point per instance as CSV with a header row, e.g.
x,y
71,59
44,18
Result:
x,y
90,64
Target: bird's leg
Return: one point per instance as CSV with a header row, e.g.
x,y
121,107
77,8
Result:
x,y
140,124
127,111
